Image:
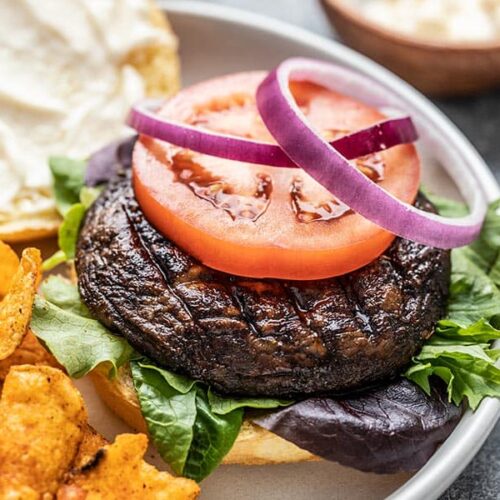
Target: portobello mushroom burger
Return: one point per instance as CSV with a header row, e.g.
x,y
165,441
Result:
x,y
261,279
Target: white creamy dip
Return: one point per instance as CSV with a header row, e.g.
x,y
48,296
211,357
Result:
x,y
444,20
64,89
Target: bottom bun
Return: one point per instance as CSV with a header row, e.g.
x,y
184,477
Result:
x,y
254,445
38,226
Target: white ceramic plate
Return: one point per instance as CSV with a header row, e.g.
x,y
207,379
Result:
x,y
217,40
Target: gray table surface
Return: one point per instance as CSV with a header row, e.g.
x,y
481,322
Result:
x,y
479,118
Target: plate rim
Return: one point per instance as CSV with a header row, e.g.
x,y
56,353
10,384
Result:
x,y
465,441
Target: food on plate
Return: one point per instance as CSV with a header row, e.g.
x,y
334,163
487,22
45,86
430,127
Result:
x,y
436,20
48,449
261,277
16,305
69,111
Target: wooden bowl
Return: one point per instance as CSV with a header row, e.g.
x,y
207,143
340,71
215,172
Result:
x,y
436,68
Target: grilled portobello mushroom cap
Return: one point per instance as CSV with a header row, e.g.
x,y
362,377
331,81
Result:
x,y
253,337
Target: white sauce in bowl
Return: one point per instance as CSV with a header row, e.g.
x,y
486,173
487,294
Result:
x,y
438,20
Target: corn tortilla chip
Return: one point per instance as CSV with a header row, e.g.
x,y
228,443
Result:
x,y
118,471
91,443
42,422
8,266
30,352
15,308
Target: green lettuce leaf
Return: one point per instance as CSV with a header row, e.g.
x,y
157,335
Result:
x,y
88,195
478,332
64,294
72,201
493,353
224,405
467,374
473,294
434,351
69,230
213,437
73,214
170,415
486,250
78,342
188,434
54,260
177,382
68,176
459,351
495,273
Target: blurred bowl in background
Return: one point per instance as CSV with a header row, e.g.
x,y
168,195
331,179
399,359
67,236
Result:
x,y
436,68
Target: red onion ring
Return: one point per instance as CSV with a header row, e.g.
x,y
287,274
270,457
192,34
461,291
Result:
x,y
327,166
378,137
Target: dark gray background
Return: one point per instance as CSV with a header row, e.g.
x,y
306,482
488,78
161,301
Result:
x,y
479,118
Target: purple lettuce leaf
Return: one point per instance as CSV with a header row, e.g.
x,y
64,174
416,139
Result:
x,y
390,429
105,163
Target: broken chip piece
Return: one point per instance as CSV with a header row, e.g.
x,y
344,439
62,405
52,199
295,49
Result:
x,y
16,305
102,476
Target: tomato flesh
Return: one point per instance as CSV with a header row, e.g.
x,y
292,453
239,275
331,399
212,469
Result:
x,y
260,221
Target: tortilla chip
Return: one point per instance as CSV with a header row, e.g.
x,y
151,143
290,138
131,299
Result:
x,y
15,308
118,471
8,266
42,422
91,443
30,352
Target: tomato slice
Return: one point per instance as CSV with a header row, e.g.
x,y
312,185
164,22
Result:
x,y
260,221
